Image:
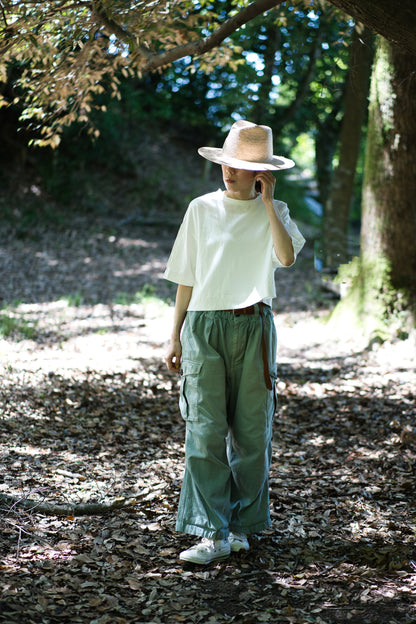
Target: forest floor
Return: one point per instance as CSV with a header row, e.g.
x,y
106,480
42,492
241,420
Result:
x,y
89,414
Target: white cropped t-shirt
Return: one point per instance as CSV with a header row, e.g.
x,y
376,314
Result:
x,y
224,250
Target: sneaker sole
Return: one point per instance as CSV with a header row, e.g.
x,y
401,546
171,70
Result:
x,y
238,548
205,561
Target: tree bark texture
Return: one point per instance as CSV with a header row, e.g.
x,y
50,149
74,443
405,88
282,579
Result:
x,y
389,194
337,208
383,292
394,20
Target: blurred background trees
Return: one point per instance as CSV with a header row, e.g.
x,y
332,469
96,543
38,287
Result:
x,y
87,126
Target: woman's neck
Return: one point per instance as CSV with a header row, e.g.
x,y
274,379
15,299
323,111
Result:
x,y
241,196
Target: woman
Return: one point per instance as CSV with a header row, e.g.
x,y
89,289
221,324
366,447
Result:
x,y
224,342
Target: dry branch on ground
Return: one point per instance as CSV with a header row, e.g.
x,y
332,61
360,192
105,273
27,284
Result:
x,y
11,503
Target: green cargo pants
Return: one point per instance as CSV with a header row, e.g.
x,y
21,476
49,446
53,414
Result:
x,y
228,412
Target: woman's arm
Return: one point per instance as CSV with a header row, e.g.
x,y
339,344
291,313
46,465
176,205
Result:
x,y
282,242
174,352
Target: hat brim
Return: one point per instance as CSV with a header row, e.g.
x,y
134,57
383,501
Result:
x,y
216,155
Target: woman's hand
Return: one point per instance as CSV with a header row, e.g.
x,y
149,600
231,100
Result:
x,y
282,242
173,355
268,182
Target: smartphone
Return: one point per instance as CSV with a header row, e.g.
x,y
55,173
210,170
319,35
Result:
x,y
258,186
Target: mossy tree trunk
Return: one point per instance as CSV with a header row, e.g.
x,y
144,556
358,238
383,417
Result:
x,y
383,291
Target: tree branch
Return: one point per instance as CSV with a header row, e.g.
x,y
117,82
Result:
x,y
196,48
112,27
83,509
3,13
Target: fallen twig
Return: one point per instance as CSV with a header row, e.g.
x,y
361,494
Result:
x,y
333,565
75,510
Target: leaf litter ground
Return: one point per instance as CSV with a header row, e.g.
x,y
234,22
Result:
x,y
89,415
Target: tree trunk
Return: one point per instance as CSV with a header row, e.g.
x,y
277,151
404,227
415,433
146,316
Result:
x,y
395,20
303,88
261,109
325,146
383,290
337,207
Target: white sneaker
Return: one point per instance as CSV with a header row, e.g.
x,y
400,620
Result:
x,y
238,541
206,551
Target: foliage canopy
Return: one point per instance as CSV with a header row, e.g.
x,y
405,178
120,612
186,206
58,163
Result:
x,y
58,56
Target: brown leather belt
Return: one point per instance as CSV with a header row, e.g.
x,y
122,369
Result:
x,y
240,311
252,310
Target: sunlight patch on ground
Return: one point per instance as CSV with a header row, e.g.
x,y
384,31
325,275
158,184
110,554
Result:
x,y
323,347
84,338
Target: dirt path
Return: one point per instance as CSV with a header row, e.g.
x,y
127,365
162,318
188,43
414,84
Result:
x,y
89,413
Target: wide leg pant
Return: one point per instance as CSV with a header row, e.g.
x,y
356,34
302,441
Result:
x,y
228,412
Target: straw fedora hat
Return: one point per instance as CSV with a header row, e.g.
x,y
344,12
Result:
x,y
247,146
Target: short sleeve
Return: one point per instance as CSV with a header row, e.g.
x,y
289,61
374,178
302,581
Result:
x,y
298,240
181,264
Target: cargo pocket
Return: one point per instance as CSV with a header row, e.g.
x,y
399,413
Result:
x,y
189,390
